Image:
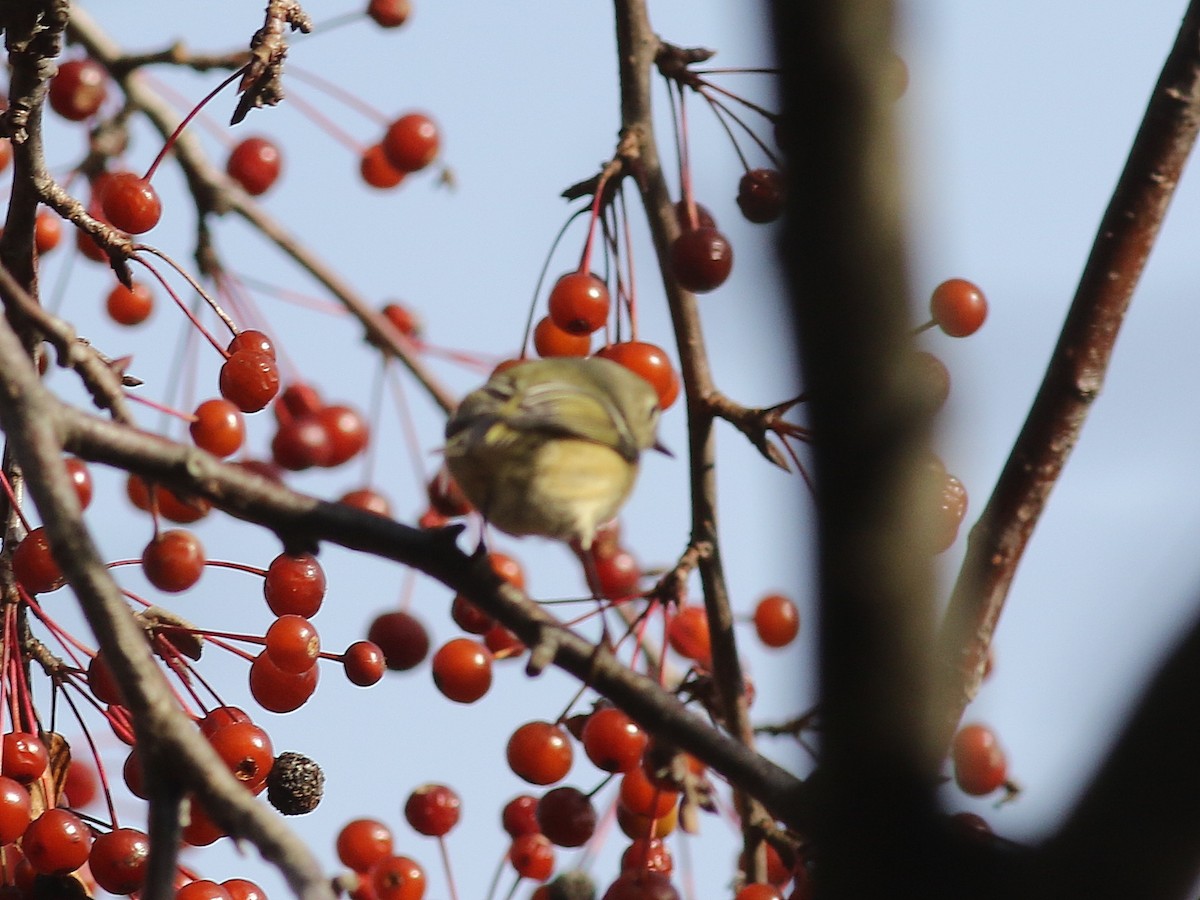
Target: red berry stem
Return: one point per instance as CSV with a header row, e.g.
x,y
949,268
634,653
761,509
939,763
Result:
x,y
585,262
736,70
183,102
195,286
338,93
679,117
13,504
630,281
160,407
326,124
706,85
449,870
100,771
920,328
64,637
408,425
541,279
170,141
240,567
720,112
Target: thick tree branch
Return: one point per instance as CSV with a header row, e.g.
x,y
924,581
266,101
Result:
x,y
1076,372
637,49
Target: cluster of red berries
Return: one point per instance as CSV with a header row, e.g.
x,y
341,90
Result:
x,y
409,144
312,433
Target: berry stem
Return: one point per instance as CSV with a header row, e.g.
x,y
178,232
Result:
x,y
195,286
170,141
100,771
338,93
13,502
327,125
449,870
585,262
541,279
718,108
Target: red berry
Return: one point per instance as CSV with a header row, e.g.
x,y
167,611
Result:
x,y
83,784
532,856
202,889
701,259
951,509
433,809
293,644
704,218
243,889
81,478
404,319
177,509
25,756
540,752
56,842
255,164
566,816
402,638
651,362
648,855
118,860
519,816
279,691
776,620
218,427
760,195
502,642
687,633
78,89
935,379
220,716
389,13
47,229
250,379
33,565
958,307
367,500
246,751
174,560
130,307
346,431
301,444
618,574
640,884
411,142
201,831
579,303
364,663
469,617
130,202
550,340
462,670
15,806
362,843
638,827
295,585
613,741
251,339
398,878
101,681
643,797
979,763
445,496
376,171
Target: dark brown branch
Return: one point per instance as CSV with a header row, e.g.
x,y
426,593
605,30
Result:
x,y
1076,371
303,521
637,49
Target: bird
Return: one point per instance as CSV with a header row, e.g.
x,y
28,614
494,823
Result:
x,y
551,447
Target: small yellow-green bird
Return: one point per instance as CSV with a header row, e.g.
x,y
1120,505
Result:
x,y
551,446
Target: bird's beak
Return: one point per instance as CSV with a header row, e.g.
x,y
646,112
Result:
x,y
663,449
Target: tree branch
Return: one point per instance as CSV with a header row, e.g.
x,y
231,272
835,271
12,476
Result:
x,y
1076,372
